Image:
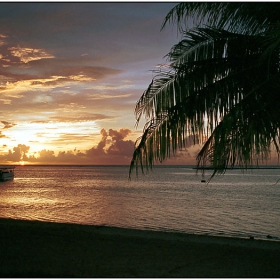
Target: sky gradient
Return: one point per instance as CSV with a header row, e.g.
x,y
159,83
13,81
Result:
x,y
71,74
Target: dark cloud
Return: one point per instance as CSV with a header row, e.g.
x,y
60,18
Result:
x,y
52,71
2,135
119,135
17,154
7,124
42,67
113,144
76,118
95,72
47,155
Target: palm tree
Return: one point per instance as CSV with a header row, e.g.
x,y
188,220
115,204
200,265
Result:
x,y
221,88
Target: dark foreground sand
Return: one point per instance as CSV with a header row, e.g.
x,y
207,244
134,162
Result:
x,y
37,249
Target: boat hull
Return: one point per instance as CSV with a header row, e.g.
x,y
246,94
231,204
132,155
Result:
x,y
6,173
6,177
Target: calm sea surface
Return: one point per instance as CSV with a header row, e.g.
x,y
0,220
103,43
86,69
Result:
x,y
167,199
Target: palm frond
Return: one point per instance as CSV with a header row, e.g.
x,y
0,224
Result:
x,y
246,134
238,17
222,88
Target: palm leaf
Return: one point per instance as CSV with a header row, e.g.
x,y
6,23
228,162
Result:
x,y
238,17
228,78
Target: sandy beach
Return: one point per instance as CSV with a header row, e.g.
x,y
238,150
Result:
x,y
40,249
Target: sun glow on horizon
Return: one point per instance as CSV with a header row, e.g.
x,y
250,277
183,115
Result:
x,y
30,139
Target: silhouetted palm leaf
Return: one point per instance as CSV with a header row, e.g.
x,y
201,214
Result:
x,y
238,17
229,79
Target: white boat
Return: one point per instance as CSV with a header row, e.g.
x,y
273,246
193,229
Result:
x,y
7,173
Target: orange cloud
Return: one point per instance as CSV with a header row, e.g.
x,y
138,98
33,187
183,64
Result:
x,y
2,40
15,156
38,67
28,54
47,155
111,149
7,124
2,135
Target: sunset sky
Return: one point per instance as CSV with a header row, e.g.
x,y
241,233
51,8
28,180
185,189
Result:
x,y
71,74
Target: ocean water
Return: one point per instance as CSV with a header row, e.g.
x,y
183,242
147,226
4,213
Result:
x,y
167,199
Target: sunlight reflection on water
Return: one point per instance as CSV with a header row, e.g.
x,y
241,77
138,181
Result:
x,y
169,199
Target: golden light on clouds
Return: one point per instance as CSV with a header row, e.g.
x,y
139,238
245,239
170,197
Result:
x,y
40,135
43,146
69,84
13,89
28,54
81,78
2,40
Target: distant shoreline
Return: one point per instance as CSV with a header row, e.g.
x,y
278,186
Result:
x,y
241,168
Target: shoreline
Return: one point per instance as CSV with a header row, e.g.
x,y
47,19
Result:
x,y
45,249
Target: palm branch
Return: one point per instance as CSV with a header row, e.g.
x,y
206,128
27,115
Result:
x,y
238,17
230,79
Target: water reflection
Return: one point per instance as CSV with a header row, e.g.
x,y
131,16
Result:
x,y
166,199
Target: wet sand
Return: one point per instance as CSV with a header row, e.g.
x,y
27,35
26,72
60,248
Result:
x,y
40,249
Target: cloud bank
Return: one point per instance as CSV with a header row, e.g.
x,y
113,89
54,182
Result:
x,y
112,149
